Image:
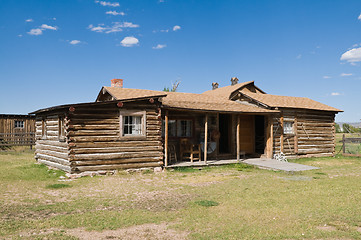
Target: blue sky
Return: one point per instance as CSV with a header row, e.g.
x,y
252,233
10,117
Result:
x,y
63,51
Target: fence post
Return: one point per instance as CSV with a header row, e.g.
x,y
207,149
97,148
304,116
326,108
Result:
x,y
343,144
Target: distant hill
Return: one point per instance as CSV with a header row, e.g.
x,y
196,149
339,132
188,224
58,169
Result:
x,y
354,124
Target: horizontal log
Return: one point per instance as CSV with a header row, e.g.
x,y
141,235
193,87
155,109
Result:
x,y
103,156
117,161
93,133
116,149
93,139
55,165
118,166
115,144
51,148
61,155
93,127
92,121
316,124
53,159
52,143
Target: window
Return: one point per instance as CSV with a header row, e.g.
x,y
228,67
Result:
x,y
184,128
19,124
178,128
288,128
61,129
132,123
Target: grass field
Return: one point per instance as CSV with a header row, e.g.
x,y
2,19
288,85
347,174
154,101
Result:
x,y
231,202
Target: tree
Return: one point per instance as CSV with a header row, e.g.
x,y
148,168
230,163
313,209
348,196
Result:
x,y
337,127
174,87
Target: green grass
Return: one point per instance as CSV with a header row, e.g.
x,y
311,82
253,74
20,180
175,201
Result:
x,y
226,202
58,185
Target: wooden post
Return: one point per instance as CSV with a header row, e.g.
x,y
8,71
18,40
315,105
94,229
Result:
x,y
205,139
238,138
296,134
217,144
269,133
166,140
343,144
281,137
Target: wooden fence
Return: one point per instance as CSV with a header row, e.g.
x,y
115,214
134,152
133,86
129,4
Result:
x,y
17,139
351,146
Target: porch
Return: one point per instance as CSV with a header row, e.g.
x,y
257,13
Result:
x,y
193,138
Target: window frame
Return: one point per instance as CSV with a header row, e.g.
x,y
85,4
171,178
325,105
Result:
x,y
22,125
43,128
61,129
292,128
142,114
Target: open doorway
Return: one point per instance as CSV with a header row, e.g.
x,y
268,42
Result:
x,y
259,134
224,129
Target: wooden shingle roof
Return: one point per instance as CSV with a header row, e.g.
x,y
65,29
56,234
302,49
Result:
x,y
290,102
272,101
187,101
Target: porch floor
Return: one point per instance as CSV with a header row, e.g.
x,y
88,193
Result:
x,y
268,163
265,163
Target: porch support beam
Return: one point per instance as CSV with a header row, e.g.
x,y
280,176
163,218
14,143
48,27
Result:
x,y
166,140
205,139
281,137
238,137
269,148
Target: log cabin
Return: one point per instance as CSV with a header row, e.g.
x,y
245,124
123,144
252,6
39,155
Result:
x,y
135,128
17,130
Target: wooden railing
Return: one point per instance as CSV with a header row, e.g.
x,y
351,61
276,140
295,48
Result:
x,y
17,139
351,146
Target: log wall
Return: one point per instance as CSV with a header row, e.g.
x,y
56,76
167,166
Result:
x,y
92,139
50,149
314,133
95,143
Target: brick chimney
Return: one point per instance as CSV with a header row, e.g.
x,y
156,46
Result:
x,y
215,85
234,81
117,83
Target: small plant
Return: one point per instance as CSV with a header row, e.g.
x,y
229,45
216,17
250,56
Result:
x,y
320,173
58,185
207,203
186,169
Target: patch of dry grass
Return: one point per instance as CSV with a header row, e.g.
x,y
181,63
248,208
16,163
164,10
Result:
x,y
256,204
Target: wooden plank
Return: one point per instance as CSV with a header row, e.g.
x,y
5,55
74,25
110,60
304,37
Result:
x,y
205,139
296,134
119,166
281,137
238,137
166,140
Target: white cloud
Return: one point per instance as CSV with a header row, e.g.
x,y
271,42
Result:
x,y
176,27
20,35
346,74
359,17
335,94
326,77
299,56
160,46
54,19
115,13
352,56
45,26
36,31
116,27
29,20
108,4
74,42
129,42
